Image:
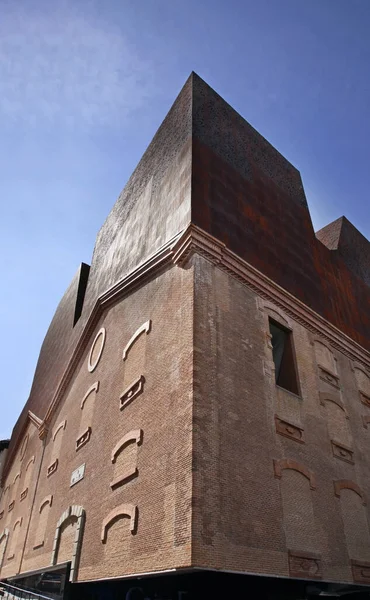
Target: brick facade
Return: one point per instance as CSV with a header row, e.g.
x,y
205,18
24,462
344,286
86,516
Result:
x,y
155,437
267,501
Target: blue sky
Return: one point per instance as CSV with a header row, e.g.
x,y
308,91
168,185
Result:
x,y
84,86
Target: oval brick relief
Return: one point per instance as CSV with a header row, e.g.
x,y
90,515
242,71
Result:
x,y
96,350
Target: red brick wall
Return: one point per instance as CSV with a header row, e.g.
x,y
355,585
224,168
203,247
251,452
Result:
x,y
17,499
260,494
161,489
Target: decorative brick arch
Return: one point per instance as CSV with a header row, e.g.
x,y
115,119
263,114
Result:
x,y
79,513
24,446
32,460
14,539
135,435
276,313
18,476
47,500
347,484
367,375
5,534
125,510
144,327
93,388
281,465
18,522
328,397
358,367
320,340
27,478
61,425
325,359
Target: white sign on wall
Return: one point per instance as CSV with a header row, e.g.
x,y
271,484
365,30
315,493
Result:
x,y
77,475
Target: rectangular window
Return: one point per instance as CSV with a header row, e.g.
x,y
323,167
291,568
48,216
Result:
x,y
283,356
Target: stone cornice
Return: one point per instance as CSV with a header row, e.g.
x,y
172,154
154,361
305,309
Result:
x,y
34,419
178,251
196,241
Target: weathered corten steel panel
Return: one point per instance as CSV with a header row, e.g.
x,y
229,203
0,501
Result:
x,y
248,196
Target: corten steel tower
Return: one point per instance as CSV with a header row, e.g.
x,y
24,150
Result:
x,y
200,409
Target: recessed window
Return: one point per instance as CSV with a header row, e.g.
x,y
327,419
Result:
x,y
283,356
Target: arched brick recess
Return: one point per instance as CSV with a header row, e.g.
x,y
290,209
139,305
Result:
x,y
24,446
328,397
61,425
124,457
125,510
281,465
79,514
354,518
362,380
358,367
14,538
145,327
135,435
346,484
4,500
96,354
48,500
4,537
299,522
93,388
44,510
87,408
27,478
14,488
134,358
338,426
57,438
30,462
324,355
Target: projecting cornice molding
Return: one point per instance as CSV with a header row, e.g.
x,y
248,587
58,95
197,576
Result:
x,y
178,251
196,241
39,423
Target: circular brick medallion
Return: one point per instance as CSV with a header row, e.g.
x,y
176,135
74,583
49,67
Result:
x,y
96,350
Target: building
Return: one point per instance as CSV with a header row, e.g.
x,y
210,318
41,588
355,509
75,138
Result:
x,y
199,416
4,444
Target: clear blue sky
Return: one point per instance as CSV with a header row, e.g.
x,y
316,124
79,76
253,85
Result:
x,y
84,86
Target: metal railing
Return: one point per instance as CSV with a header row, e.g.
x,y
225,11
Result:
x,y
11,592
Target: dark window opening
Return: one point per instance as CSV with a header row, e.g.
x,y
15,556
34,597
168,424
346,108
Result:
x,y
283,356
82,284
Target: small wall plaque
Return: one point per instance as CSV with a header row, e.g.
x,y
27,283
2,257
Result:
x,y
289,430
83,439
77,475
52,468
135,389
329,377
342,452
